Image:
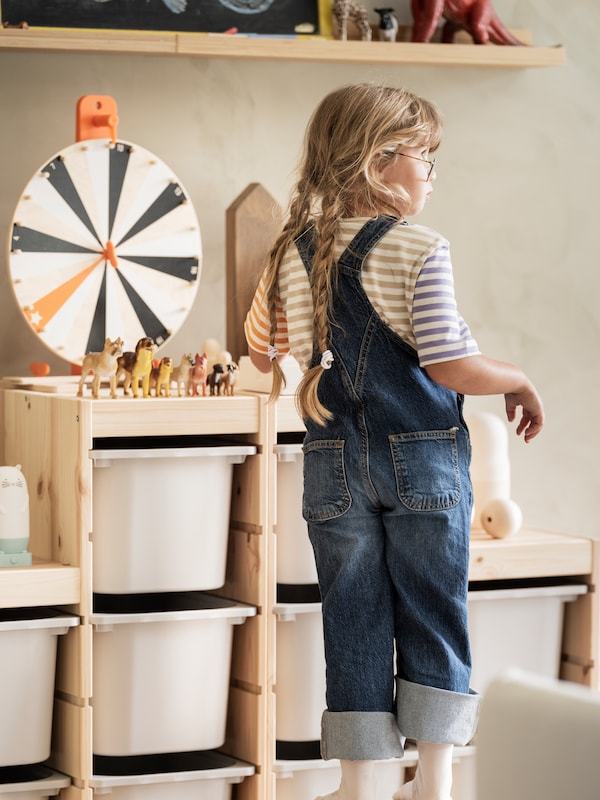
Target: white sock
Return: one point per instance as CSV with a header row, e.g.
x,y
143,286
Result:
x,y
433,779
358,782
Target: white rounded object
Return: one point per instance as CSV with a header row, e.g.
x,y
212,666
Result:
x,y
501,518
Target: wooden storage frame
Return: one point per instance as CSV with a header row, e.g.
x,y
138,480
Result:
x,y
51,434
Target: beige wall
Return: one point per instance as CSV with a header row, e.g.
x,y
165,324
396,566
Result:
x,y
516,195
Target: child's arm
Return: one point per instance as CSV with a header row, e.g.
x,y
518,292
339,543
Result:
x,y
479,375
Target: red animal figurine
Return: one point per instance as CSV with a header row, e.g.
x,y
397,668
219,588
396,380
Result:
x,y
477,17
198,376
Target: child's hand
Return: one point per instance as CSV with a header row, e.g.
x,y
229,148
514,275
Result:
x,y
532,417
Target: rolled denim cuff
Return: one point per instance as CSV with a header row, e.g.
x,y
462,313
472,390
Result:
x,y
360,736
428,714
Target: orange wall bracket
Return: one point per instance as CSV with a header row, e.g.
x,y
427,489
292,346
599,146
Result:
x,y
96,118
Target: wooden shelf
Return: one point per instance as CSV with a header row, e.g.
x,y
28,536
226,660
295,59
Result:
x,y
43,584
530,553
273,49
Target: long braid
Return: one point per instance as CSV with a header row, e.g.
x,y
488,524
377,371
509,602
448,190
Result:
x,y
323,277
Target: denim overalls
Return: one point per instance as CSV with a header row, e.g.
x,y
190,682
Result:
x,y
387,499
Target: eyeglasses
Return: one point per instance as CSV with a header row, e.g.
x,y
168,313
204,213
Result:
x,y
431,162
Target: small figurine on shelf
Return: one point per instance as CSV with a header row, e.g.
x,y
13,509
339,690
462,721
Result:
x,y
477,17
229,379
198,376
102,364
160,377
387,30
215,379
14,518
133,366
347,10
181,374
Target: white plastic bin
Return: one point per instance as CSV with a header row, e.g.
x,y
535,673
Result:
x,y
305,780
161,677
28,644
202,775
517,627
300,680
36,782
295,558
161,517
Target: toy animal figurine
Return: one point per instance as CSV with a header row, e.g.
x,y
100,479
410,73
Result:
x,y
133,366
344,10
14,518
181,374
477,17
387,30
160,377
215,379
228,379
101,365
198,376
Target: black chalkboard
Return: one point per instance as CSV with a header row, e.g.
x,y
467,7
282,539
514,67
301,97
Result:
x,y
275,17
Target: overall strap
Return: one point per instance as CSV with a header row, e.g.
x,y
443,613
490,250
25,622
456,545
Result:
x,y
358,249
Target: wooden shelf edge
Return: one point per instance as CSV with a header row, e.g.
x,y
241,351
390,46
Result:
x,y
273,49
45,583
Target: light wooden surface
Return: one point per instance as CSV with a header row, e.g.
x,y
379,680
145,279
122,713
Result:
x,y
271,49
528,553
252,223
42,584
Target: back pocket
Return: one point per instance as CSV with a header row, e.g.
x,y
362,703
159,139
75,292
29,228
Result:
x,y
326,493
426,467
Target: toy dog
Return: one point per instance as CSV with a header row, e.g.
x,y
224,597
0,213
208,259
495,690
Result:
x,y
215,379
198,375
133,366
102,364
160,377
181,374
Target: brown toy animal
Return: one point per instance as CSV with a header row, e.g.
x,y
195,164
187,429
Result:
x,y
133,366
101,364
198,376
228,379
181,374
215,379
477,17
160,377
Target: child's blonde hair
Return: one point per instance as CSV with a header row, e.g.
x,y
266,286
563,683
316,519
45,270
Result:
x,y
349,139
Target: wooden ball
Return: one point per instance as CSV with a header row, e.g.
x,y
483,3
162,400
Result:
x,y
501,518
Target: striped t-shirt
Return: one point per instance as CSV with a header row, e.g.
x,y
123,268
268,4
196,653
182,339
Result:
x,y
408,279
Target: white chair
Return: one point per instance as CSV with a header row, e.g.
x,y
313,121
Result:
x,y
538,739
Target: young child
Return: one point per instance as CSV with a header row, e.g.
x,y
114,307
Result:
x,y
365,302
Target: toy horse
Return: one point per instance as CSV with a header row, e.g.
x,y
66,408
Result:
x,y
344,10
101,364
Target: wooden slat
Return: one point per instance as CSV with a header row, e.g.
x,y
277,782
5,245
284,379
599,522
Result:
x,y
42,584
174,416
528,554
72,740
